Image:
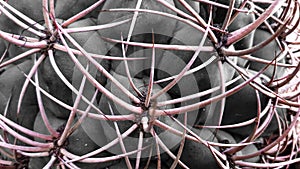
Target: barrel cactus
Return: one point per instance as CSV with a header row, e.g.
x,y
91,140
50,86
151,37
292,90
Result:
x,y
149,84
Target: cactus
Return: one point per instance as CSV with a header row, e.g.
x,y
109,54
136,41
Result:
x,y
149,84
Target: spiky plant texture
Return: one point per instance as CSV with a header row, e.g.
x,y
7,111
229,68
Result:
x,y
149,84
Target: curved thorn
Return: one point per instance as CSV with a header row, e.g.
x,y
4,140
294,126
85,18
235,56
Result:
x,y
241,33
95,82
128,72
123,148
41,44
71,118
151,77
21,15
107,146
102,70
81,14
26,83
20,23
41,107
184,70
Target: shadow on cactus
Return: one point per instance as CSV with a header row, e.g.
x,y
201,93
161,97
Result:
x,y
149,84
